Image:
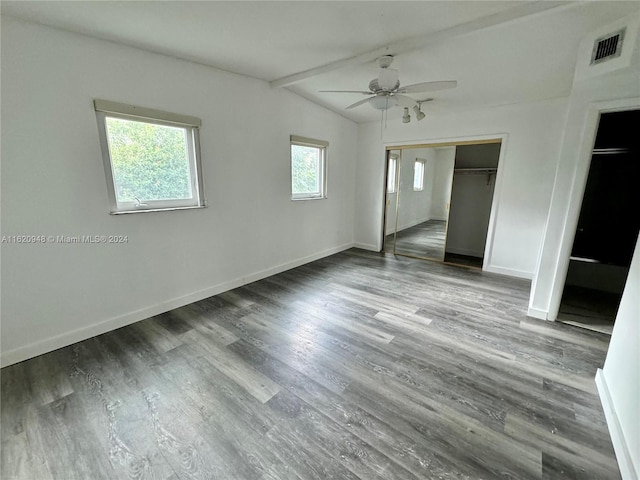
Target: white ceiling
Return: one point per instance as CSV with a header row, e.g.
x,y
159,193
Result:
x,y
527,57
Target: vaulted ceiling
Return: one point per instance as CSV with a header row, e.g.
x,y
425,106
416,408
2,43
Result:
x,y
500,52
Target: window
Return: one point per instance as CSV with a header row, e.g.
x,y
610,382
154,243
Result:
x,y
151,158
308,168
391,174
418,175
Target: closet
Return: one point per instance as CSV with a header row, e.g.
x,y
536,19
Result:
x,y
607,228
472,190
438,200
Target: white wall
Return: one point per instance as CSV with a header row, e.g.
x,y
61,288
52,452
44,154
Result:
x,y
525,174
53,184
415,206
613,90
471,198
443,177
619,381
597,276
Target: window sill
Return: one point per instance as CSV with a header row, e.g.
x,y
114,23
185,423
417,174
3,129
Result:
x,y
149,210
297,199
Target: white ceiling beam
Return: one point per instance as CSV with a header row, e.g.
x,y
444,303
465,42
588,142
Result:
x,y
414,43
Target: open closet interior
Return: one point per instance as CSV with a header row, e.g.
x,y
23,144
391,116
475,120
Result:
x,y
608,226
438,201
472,190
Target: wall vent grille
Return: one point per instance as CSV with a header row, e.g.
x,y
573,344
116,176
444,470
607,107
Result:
x,y
607,47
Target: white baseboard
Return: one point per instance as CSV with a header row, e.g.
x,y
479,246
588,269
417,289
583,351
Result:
x,y
537,313
623,455
413,223
392,228
367,246
508,271
68,338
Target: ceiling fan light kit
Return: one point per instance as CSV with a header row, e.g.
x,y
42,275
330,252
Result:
x,y
419,113
406,118
383,102
385,91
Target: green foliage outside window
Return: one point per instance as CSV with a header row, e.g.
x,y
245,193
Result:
x,y
150,162
305,169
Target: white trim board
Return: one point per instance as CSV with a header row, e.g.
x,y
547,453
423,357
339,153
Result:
x,y
536,313
615,430
409,225
510,272
367,246
68,338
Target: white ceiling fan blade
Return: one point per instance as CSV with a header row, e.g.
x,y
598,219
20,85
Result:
x,y
428,86
405,101
357,104
345,91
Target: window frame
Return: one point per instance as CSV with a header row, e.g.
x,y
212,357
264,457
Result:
x,y
191,125
322,146
421,162
392,174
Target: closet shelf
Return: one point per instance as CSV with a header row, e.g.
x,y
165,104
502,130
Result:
x,y
475,171
583,259
609,151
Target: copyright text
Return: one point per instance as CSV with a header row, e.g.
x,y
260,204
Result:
x,y
63,239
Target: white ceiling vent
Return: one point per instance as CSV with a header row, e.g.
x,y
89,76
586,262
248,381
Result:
x,y
607,47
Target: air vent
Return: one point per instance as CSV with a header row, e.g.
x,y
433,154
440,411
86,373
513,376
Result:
x,y
607,47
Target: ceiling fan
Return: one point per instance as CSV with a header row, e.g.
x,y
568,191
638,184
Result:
x,y
385,90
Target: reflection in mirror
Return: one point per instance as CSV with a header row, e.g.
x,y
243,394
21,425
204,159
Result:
x,y
393,163
418,225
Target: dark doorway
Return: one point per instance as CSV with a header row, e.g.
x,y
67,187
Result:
x,y
608,226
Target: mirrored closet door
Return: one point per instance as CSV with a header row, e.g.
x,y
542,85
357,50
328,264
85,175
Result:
x,y
438,201
418,192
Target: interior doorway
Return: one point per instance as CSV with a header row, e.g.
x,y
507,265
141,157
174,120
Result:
x,y
608,227
439,200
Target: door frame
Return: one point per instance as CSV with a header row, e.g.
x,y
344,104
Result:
x,y
388,157
501,138
591,125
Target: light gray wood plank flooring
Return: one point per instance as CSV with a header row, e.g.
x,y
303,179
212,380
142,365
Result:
x,y
356,366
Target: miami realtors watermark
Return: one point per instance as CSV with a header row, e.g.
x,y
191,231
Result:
x,y
63,239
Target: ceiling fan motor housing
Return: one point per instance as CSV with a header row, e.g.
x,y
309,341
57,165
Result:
x,y
385,61
385,92
374,86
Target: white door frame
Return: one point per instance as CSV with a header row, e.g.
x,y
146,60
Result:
x,y
579,184
497,193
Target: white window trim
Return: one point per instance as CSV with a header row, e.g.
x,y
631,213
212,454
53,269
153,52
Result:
x,y
322,146
422,161
393,159
104,109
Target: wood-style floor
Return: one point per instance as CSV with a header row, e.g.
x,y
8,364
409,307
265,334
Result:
x,y
588,308
357,366
425,240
